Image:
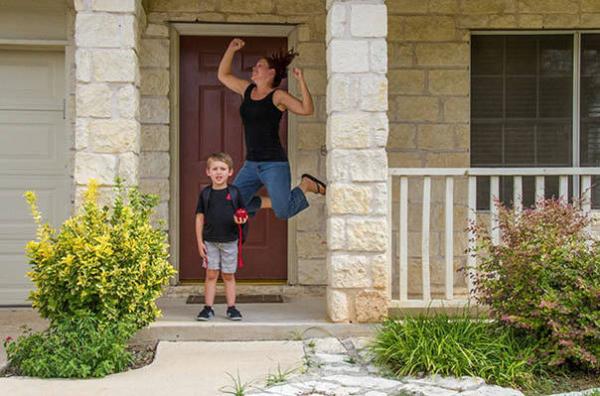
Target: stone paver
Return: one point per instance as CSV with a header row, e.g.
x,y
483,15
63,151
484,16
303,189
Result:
x,y
334,367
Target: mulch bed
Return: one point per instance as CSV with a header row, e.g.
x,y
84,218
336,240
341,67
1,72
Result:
x,y
143,354
574,381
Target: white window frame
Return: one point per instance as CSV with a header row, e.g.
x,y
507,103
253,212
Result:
x,y
576,34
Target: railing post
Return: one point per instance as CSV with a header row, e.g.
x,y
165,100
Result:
x,y
586,204
472,218
540,189
390,231
449,240
494,197
563,189
425,239
518,194
403,238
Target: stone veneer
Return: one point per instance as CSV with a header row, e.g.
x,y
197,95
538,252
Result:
x,y
155,157
357,130
107,126
429,55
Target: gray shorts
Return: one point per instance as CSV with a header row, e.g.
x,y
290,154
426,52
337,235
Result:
x,y
222,256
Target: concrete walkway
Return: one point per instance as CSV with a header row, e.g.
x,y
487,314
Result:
x,y
179,368
312,367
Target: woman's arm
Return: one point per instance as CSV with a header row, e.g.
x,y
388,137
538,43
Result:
x,y
288,101
224,73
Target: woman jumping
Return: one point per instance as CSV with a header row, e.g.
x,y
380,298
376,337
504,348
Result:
x,y
261,110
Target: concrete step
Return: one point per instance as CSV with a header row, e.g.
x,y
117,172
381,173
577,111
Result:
x,y
244,331
294,319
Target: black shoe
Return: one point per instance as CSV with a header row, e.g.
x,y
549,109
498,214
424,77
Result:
x,y
207,313
233,313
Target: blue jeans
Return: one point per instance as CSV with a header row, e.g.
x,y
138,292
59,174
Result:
x,y
275,176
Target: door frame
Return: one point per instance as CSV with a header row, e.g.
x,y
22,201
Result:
x,y
211,29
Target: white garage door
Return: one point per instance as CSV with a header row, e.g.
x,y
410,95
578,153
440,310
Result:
x,y
33,156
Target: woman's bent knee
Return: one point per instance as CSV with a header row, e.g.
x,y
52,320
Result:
x,y
282,214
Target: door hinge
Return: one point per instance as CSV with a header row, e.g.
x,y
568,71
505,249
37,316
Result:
x,y
64,109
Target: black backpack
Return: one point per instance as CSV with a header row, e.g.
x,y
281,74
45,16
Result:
x,y
233,194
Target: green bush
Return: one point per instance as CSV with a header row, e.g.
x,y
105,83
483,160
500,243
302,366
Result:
x,y
456,346
110,264
97,280
77,347
544,277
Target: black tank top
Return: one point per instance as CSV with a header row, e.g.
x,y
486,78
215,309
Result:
x,y
261,120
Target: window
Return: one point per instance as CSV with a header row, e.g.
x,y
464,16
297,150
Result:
x,y
523,95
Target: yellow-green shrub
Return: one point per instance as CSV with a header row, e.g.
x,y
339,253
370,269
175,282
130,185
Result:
x,y
107,263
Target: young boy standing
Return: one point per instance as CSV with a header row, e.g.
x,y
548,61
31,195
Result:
x,y
217,234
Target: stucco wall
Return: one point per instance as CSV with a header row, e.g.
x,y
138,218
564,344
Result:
x,y
309,17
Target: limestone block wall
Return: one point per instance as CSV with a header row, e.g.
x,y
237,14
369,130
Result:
x,y
357,131
309,17
107,137
429,55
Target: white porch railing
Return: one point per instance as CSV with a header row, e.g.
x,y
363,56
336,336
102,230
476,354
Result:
x,y
581,182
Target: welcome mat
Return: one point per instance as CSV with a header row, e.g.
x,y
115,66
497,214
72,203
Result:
x,y
241,299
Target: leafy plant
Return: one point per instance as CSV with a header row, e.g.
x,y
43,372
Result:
x,y
111,264
456,346
97,279
544,277
76,347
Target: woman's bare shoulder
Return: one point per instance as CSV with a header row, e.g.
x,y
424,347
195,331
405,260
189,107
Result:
x,y
280,97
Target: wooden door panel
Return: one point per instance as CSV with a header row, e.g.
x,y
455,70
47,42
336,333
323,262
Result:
x,y
210,122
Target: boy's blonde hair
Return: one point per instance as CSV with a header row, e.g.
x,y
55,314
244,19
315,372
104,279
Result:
x,y
223,157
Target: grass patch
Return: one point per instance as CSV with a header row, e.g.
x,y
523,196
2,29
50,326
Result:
x,y
457,346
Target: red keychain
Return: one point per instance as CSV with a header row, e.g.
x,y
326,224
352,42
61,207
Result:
x,y
240,215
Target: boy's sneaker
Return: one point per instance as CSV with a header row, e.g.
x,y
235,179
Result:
x,y
233,313
207,313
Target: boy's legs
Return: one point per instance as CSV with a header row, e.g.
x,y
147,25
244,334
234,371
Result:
x,y
229,281
210,286
229,261
212,272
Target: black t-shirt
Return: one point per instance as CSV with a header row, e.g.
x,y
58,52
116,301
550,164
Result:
x,y
218,217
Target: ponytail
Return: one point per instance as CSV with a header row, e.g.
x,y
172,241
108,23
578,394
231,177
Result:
x,y
279,61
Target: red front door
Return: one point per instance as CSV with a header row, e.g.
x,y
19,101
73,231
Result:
x,y
210,122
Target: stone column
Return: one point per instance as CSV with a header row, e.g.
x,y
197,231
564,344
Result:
x,y
357,130
107,126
